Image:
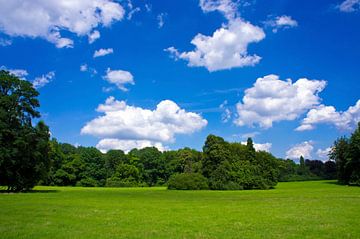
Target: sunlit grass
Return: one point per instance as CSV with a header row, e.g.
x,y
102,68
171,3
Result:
x,y
319,209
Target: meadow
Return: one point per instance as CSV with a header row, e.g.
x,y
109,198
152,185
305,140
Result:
x,y
318,209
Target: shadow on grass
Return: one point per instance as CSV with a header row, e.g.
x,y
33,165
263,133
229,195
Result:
x,y
334,183
30,191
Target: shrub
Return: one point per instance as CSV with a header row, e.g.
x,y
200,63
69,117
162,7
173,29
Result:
x,y
188,181
87,182
118,182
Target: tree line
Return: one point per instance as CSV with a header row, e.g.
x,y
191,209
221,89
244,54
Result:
x,y
28,157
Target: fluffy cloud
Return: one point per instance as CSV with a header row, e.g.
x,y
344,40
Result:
x,y
103,52
47,19
323,154
328,115
261,147
272,100
349,6
225,49
281,22
119,78
105,145
303,149
93,36
125,122
43,80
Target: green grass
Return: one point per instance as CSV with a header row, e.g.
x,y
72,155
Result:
x,y
320,209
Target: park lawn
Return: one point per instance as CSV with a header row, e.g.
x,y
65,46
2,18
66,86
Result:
x,y
319,209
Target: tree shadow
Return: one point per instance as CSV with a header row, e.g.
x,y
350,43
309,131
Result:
x,y
29,191
334,183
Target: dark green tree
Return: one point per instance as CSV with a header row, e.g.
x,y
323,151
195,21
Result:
x,y
354,151
24,148
340,154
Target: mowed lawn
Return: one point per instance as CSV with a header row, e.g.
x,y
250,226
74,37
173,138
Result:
x,y
320,209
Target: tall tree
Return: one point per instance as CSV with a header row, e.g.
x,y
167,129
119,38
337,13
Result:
x,y
23,148
340,154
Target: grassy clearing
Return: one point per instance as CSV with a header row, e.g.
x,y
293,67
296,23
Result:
x,y
320,209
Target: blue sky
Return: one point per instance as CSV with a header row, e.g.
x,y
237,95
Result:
x,y
180,70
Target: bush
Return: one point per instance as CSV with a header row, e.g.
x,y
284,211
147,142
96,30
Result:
x,y
87,182
121,183
188,181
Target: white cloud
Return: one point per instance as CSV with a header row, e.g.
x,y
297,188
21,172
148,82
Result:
x,y
261,147
105,145
43,80
323,154
125,122
228,8
119,78
281,22
161,19
48,19
92,37
103,52
20,73
271,100
349,6
84,67
225,49
303,149
328,115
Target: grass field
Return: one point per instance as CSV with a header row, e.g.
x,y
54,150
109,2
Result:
x,y
319,209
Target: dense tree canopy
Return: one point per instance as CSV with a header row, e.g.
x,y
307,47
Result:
x,y
346,153
24,148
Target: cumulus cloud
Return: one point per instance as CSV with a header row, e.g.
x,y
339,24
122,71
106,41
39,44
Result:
x,y
281,22
261,147
105,145
43,80
349,6
329,115
92,37
119,78
323,154
271,100
303,149
103,52
225,49
48,19
125,122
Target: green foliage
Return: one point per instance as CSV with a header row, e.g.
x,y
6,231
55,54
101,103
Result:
x,y
188,181
24,148
346,153
230,166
